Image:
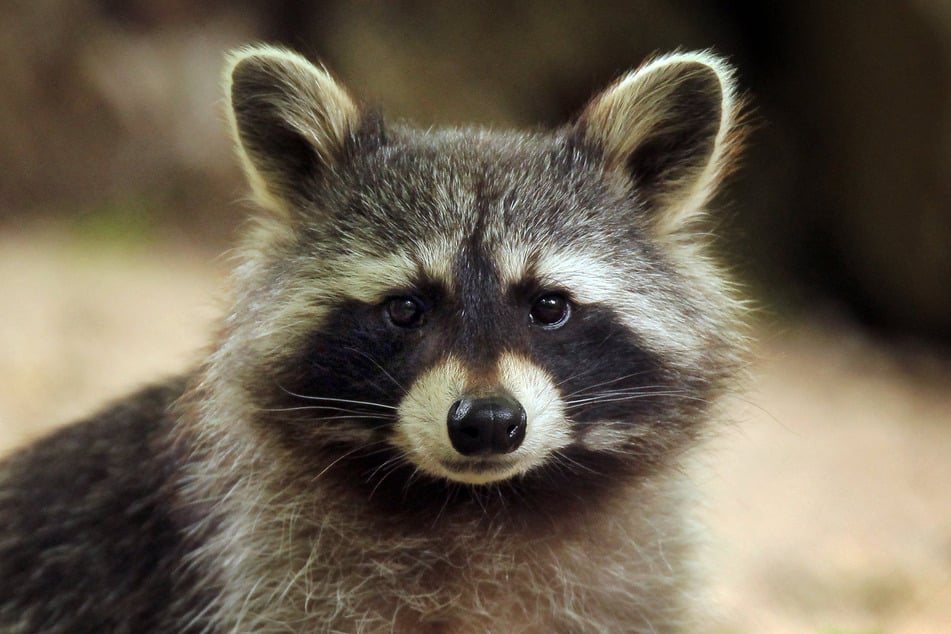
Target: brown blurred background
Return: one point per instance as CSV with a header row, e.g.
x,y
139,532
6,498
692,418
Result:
x,y
109,116
118,187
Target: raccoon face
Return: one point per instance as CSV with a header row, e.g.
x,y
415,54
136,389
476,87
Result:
x,y
477,306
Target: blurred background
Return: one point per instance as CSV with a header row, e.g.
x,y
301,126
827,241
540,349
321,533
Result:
x,y
828,498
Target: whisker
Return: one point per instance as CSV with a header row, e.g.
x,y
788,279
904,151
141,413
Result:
x,y
356,417
630,396
640,389
442,509
337,460
359,449
379,367
310,408
563,458
328,399
387,467
589,388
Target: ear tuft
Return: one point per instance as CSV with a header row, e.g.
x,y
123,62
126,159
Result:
x,y
668,127
290,121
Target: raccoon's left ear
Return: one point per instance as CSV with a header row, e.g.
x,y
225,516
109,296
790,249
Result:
x,y
668,128
291,122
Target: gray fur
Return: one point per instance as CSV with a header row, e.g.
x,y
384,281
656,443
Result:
x,y
242,497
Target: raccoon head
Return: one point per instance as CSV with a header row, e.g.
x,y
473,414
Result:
x,y
479,306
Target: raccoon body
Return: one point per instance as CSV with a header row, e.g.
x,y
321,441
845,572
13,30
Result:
x,y
453,393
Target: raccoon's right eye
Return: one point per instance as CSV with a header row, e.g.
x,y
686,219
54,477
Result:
x,y
405,312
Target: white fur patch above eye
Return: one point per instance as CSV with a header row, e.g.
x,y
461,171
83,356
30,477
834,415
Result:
x,y
297,305
370,279
588,279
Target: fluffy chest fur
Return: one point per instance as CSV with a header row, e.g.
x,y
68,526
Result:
x,y
477,567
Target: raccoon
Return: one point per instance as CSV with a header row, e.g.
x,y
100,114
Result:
x,y
454,391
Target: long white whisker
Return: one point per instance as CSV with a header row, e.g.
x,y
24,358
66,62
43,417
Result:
x,y
309,408
631,397
355,417
327,399
379,367
640,389
622,394
337,460
565,459
589,388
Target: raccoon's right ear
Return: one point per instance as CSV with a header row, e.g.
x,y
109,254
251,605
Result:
x,y
290,121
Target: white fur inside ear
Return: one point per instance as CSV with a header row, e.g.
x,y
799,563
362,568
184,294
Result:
x,y
683,102
273,93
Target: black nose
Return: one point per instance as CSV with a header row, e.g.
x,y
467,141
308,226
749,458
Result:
x,y
483,426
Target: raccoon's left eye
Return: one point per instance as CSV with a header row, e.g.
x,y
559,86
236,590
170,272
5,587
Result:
x,y
550,311
405,312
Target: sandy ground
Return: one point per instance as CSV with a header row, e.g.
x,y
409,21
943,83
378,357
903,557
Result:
x,y
829,500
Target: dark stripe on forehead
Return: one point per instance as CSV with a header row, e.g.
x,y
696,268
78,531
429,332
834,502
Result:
x,y
482,316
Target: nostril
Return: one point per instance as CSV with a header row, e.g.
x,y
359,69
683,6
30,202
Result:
x,y
484,426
